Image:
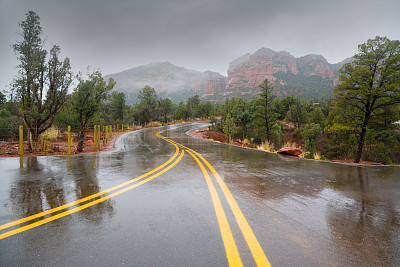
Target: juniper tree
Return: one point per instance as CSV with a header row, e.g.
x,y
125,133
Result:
x,y
40,88
369,87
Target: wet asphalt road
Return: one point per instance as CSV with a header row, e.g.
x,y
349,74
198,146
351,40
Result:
x,y
302,212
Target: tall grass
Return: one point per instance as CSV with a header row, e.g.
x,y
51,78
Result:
x,y
266,146
51,134
291,144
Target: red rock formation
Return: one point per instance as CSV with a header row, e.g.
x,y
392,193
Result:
x,y
214,86
315,65
293,151
249,71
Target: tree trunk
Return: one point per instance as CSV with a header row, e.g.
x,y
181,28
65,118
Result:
x,y
361,143
362,137
32,139
360,146
81,140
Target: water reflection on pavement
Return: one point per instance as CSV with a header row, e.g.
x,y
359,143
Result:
x,y
301,211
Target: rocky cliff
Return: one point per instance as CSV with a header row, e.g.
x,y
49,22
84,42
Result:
x,y
308,77
285,72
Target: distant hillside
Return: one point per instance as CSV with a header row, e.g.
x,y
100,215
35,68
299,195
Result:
x,y
309,77
169,80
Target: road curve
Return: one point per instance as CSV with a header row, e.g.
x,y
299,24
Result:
x,y
165,198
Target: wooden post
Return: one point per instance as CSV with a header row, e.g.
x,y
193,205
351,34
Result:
x,y
104,137
98,136
117,128
107,133
95,137
133,126
21,141
122,128
69,140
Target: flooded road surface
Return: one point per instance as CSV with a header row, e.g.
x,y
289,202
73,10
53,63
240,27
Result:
x,y
150,203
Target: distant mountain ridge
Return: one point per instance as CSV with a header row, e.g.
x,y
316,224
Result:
x,y
169,80
308,77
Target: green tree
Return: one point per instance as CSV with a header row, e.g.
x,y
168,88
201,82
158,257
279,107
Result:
x,y
205,109
369,86
193,105
281,107
118,106
297,113
181,112
264,117
166,108
276,132
3,99
87,98
310,133
229,127
40,88
318,117
241,114
148,105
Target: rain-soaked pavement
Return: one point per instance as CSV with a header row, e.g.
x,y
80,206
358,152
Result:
x,y
302,212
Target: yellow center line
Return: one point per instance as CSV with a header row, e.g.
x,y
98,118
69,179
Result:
x,y
232,252
65,213
255,248
41,214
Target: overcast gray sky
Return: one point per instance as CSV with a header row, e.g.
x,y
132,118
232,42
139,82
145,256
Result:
x,y
196,34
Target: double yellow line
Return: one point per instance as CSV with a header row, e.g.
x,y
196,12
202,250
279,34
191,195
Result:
x,y
226,233
227,236
93,201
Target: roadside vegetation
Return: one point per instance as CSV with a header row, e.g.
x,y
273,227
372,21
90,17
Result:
x,y
359,122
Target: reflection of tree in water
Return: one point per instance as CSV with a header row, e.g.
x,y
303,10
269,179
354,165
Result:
x,y
264,176
147,146
36,186
86,184
368,221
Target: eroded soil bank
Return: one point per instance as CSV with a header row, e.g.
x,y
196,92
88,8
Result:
x,y
219,137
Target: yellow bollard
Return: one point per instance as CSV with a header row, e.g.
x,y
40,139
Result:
x,y
21,141
69,140
122,128
95,137
104,139
106,133
98,136
109,131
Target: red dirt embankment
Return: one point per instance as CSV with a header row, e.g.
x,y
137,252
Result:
x,y
59,147
204,133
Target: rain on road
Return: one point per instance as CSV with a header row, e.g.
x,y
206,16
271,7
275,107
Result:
x,y
154,201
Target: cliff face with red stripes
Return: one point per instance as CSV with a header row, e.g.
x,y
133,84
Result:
x,y
246,73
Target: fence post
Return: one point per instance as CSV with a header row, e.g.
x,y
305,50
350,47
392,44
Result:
x,y
117,128
104,139
107,133
133,126
69,140
21,141
94,137
122,128
98,136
